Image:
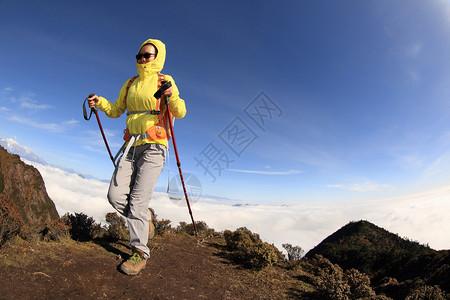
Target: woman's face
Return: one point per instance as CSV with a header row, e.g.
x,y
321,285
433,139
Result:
x,y
150,49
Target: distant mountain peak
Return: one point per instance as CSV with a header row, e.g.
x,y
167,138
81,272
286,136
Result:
x,y
363,234
14,147
381,254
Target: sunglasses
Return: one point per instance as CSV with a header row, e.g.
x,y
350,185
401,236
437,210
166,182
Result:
x,y
145,55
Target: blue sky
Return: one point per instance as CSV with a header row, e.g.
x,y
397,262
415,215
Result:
x,y
353,95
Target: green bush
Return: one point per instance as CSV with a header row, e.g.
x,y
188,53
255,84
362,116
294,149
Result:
x,y
201,226
184,227
80,226
359,284
116,227
427,292
331,282
162,227
248,249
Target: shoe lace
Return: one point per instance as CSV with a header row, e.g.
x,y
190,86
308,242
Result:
x,y
135,259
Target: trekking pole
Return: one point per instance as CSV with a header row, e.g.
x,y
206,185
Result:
x,y
166,101
94,110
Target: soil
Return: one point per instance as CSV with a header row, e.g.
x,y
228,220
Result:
x,y
180,267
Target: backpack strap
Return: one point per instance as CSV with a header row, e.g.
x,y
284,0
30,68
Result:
x,y
128,87
161,78
158,112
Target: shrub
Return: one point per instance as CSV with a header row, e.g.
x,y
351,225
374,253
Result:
x,y
10,219
426,292
80,226
359,284
248,249
163,226
234,239
201,226
116,228
97,231
184,227
29,232
55,230
331,282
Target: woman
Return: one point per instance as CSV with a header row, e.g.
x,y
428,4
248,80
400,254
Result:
x,y
138,169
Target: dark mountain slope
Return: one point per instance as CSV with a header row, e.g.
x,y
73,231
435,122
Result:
x,y
382,254
24,200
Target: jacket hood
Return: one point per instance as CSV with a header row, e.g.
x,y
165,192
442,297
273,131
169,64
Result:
x,y
155,66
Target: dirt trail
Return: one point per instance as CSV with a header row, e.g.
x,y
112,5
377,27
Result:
x,y
180,267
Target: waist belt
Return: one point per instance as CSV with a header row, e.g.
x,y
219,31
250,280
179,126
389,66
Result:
x,y
133,140
148,112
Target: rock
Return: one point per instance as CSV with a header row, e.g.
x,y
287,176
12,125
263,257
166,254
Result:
x,y
23,184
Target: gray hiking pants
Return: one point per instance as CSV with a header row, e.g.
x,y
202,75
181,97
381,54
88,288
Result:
x,y
131,189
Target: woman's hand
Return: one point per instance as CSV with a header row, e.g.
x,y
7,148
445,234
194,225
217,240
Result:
x,y
93,100
168,92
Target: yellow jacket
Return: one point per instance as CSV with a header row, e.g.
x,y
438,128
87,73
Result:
x,y
140,96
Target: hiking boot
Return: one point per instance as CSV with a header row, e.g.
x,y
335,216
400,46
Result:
x,y
135,263
152,229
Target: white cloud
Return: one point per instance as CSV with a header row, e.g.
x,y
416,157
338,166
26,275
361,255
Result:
x,y
26,100
72,193
33,106
446,10
53,127
439,166
24,152
70,122
412,54
361,187
92,140
93,149
414,50
290,172
413,74
420,217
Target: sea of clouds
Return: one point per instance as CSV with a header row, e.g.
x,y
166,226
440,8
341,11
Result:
x,y
422,217
419,217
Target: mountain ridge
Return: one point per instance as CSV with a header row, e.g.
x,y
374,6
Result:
x,y
381,254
